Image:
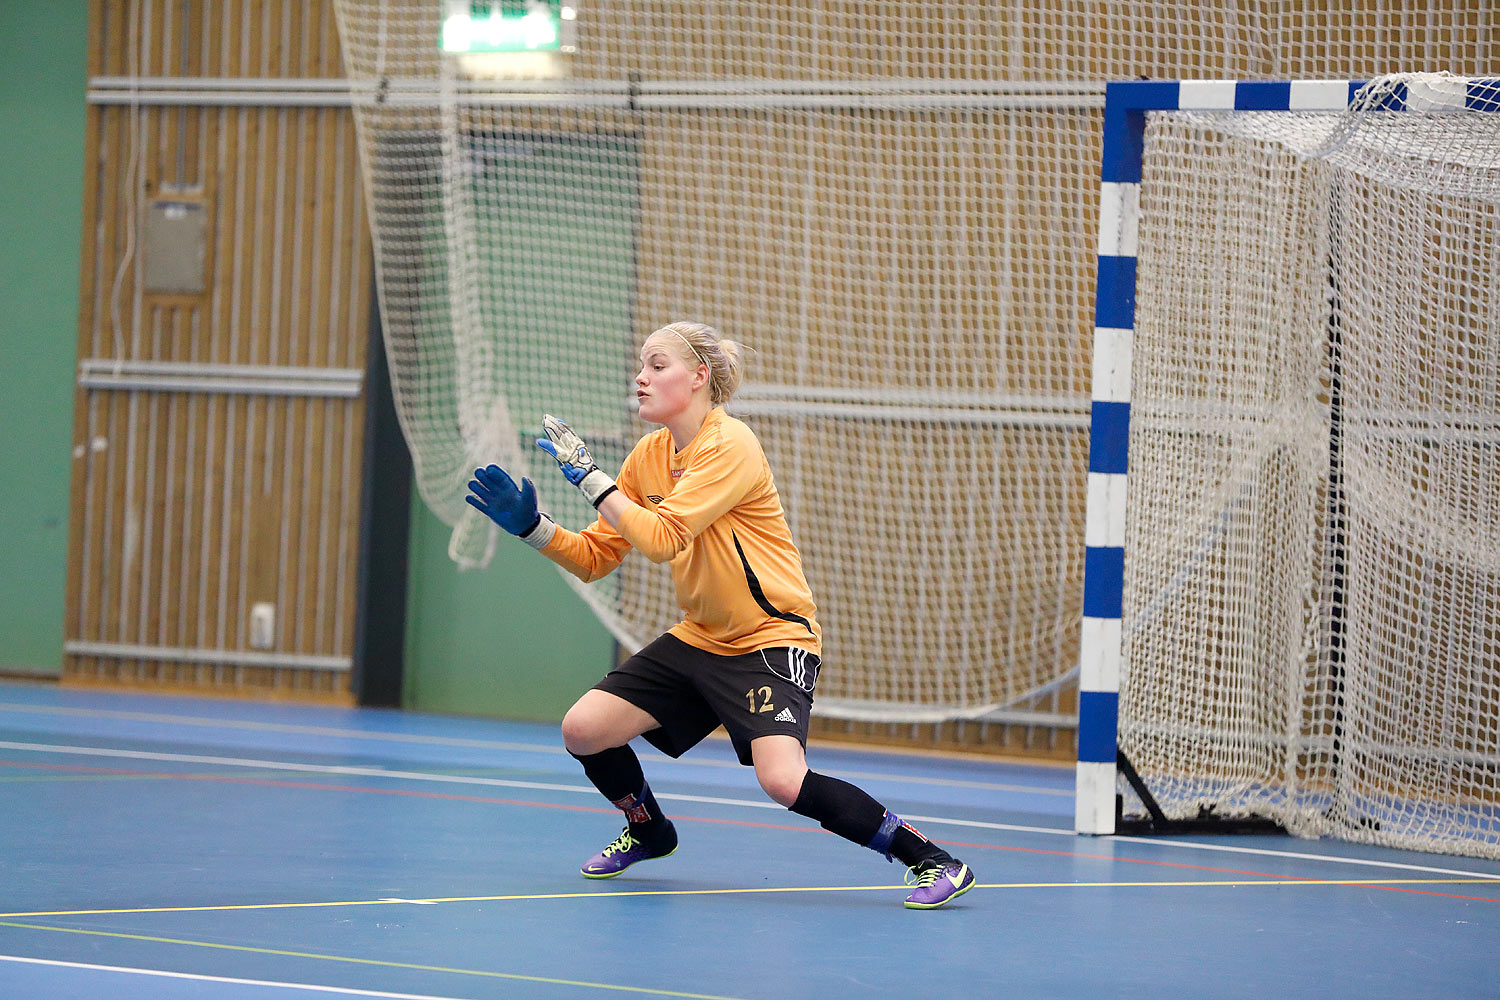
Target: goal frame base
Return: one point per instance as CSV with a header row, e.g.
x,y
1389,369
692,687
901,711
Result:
x,y
1157,823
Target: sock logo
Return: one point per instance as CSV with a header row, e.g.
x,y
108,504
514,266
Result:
x,y
634,809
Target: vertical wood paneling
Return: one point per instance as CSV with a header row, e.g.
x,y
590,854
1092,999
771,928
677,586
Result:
x,y
193,505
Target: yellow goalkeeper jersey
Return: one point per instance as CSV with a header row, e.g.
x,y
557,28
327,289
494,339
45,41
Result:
x,y
713,512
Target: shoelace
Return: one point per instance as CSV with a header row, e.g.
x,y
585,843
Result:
x,y
620,844
924,876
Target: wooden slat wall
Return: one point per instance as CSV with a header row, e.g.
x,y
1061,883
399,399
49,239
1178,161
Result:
x,y
188,507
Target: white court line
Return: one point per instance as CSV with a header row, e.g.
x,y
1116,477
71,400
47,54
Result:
x,y
461,779
1304,856
223,979
476,744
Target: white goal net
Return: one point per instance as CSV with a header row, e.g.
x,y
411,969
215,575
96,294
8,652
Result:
x,y
1312,616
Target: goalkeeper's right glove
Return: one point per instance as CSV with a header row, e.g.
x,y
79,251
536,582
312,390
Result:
x,y
494,493
573,458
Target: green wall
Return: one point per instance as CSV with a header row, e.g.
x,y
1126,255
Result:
x,y
512,640
43,76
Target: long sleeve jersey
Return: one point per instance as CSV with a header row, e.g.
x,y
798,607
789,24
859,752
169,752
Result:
x,y
713,512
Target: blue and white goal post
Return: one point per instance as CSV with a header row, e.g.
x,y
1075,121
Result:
x,y
1127,105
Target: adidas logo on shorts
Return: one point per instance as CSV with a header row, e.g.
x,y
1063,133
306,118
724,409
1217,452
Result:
x,y
785,715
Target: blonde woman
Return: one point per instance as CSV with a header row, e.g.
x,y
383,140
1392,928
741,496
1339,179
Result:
x,y
698,494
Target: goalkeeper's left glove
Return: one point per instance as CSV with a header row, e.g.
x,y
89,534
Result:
x,y
575,461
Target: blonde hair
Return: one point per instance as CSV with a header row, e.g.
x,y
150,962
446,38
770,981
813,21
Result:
x,y
723,358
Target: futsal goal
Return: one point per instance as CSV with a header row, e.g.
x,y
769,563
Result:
x,y
1292,579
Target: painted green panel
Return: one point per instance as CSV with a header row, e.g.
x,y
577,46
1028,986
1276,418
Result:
x,y
512,640
43,53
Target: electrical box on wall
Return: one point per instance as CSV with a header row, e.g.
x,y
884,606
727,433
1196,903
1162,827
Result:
x,y
173,250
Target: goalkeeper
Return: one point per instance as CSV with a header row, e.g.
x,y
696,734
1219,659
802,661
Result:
x,y
699,494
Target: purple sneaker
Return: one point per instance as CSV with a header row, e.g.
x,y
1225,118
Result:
x,y
625,850
938,882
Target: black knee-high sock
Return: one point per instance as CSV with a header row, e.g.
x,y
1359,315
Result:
x,y
850,812
617,774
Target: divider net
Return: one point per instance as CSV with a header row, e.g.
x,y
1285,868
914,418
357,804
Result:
x,y
915,288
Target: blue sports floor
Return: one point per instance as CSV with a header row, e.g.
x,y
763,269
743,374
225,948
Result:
x,y
167,847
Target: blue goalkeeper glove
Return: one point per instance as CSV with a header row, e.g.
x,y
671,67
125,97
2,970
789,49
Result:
x,y
573,458
494,493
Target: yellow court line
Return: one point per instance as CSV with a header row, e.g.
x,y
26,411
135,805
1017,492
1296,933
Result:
x,y
376,962
454,899
1199,883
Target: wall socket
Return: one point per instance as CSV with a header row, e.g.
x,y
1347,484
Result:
x,y
262,625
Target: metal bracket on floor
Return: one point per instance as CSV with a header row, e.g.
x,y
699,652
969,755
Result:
x,y
1157,822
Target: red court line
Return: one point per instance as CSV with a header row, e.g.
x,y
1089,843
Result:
x,y
1133,861
39,766
487,800
229,779
1433,892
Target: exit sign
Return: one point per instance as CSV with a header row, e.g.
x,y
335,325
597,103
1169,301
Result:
x,y
508,26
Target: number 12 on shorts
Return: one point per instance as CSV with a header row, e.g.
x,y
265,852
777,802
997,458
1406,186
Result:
x,y
765,700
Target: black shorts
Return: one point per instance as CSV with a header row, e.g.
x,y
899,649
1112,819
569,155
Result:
x,y
690,693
